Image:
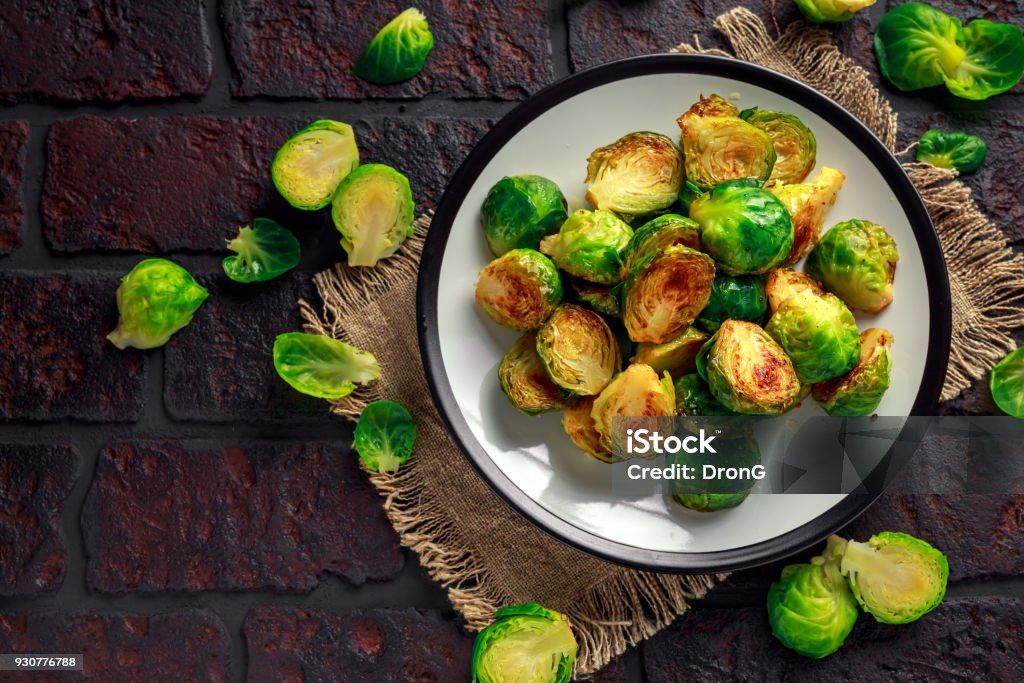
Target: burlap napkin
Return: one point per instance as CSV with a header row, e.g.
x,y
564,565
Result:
x,y
481,551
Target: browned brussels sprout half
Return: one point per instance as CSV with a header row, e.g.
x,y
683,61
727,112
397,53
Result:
x,y
795,146
665,292
656,234
718,145
520,289
636,392
859,392
598,298
524,380
808,203
579,425
638,174
578,350
784,283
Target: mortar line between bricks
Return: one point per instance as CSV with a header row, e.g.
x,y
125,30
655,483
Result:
x,y
220,87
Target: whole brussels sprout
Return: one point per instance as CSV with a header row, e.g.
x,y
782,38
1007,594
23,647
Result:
x,y
521,210
398,51
520,289
856,261
955,149
664,231
154,300
373,211
636,392
895,577
746,230
795,146
858,392
693,397
785,283
718,145
638,174
747,370
310,165
524,380
1007,383
590,245
677,356
599,298
578,350
819,334
831,11
740,298
526,643
710,496
807,204
579,425
665,292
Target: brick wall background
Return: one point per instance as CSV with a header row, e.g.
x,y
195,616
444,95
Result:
x,y
181,513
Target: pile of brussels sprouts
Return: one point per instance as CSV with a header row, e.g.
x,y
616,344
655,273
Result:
x,y
688,251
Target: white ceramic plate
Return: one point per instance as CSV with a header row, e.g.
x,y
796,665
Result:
x,y
529,460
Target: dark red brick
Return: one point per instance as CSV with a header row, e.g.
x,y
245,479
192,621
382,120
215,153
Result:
x,y
171,183
185,645
494,50
34,481
13,155
166,516
57,362
963,639
107,51
380,645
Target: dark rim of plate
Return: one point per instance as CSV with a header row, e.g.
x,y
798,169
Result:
x,y
762,552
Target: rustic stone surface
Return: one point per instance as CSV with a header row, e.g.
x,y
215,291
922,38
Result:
x,y
494,50
57,362
34,481
188,645
106,51
13,155
166,516
969,639
382,645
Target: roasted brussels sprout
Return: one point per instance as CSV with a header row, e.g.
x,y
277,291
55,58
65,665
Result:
x,y
654,235
784,283
521,210
373,211
638,174
579,425
810,608
677,356
312,163
747,371
598,298
718,145
636,392
319,366
807,204
693,397
578,350
895,577
525,381
398,51
955,149
795,146
520,289
831,11
746,230
384,436
856,261
710,496
858,392
262,252
741,298
819,334
1007,383
590,246
665,292
687,196
154,300
526,643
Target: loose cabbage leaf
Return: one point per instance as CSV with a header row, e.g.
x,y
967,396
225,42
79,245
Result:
x,y
262,252
384,436
320,366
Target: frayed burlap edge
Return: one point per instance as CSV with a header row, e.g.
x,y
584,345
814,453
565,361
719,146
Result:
x,y
986,279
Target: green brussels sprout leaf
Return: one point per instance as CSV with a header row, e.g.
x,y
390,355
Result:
x,y
320,366
994,61
262,252
525,643
373,211
384,436
312,163
687,196
1007,383
955,149
520,289
831,11
154,300
599,298
398,51
521,210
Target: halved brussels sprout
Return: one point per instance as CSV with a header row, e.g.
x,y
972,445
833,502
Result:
x,y
677,356
665,292
525,381
590,245
579,425
578,350
702,496
656,234
856,261
373,211
636,392
398,51
1007,383
718,145
527,643
795,147
638,174
819,334
747,370
953,149
807,204
858,392
521,210
520,289
746,230
154,300
740,298
895,577
693,397
312,163
831,11
599,298
785,283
